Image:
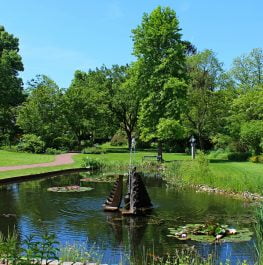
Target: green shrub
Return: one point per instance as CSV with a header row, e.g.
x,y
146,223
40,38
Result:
x,y
93,163
256,159
11,148
218,154
31,143
236,156
118,139
54,151
93,150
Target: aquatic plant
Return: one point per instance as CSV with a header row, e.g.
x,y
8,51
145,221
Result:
x,y
210,233
73,188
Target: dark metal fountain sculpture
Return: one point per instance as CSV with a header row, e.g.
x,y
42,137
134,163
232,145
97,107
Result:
x,y
137,200
113,201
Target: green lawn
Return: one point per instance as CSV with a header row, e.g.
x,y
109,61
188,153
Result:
x,y
25,158
235,176
14,159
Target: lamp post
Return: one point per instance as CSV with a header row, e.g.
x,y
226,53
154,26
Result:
x,y
192,142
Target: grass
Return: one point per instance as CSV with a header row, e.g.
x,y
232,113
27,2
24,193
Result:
x,y
231,176
119,157
14,158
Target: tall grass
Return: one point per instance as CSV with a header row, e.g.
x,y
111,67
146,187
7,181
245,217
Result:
x,y
232,177
259,235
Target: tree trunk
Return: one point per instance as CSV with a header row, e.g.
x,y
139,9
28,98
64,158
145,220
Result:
x,y
201,142
129,137
160,150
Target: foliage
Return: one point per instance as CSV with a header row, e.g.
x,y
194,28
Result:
x,y
78,252
256,159
53,151
248,69
31,143
210,233
69,189
93,163
218,154
203,115
259,234
169,129
35,251
11,85
93,150
85,105
118,139
252,134
161,70
41,113
238,156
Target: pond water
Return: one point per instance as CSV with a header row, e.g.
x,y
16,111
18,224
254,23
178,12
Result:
x,y
78,217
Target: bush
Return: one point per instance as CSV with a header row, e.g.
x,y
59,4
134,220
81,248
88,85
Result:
x,y
236,156
256,159
93,150
92,163
31,143
11,148
118,139
54,151
218,154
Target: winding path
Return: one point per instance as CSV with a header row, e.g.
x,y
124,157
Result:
x,y
62,159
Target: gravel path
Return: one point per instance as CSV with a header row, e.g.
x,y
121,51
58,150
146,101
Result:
x,y
62,159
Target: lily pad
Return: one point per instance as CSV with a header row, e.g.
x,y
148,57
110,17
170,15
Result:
x,y
209,233
69,189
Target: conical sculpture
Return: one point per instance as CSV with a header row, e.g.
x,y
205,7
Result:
x,y
113,201
137,200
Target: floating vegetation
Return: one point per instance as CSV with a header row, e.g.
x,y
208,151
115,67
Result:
x,y
70,189
209,233
100,179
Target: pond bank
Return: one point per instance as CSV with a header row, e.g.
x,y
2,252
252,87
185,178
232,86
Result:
x,y
248,196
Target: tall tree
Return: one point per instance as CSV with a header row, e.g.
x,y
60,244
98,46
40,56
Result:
x,y
161,65
203,98
85,104
248,69
40,114
124,99
11,93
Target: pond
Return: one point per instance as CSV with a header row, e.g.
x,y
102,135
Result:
x,y
79,218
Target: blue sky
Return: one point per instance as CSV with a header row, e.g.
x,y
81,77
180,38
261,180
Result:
x,y
58,37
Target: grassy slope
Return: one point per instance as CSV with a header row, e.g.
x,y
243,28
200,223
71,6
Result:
x,y
13,158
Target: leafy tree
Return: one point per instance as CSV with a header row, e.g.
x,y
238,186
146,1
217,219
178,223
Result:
x,y
40,114
204,99
161,69
85,104
248,69
246,107
124,99
252,134
11,93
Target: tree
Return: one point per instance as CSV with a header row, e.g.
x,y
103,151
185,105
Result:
x,y
124,99
11,90
40,114
246,107
85,105
252,134
204,99
248,69
160,56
